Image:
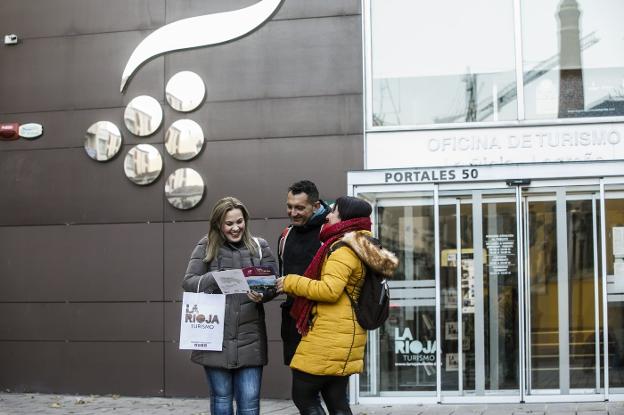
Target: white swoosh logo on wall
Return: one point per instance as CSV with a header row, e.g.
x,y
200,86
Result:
x,y
194,32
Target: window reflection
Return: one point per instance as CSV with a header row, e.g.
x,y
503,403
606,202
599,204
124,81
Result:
x,y
185,91
184,139
581,312
573,58
454,62
544,295
143,164
143,115
442,62
102,141
184,188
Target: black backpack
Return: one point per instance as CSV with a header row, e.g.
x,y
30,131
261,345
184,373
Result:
x,y
373,306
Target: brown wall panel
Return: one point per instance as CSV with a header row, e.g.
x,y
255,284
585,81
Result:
x,y
173,315
82,367
276,378
82,263
72,17
307,9
190,8
74,72
288,58
305,116
260,171
289,10
180,240
81,321
66,186
183,377
273,317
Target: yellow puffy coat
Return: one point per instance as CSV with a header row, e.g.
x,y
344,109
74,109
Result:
x,y
335,343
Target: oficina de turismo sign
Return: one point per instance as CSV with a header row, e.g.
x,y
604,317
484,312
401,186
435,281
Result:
x,y
485,146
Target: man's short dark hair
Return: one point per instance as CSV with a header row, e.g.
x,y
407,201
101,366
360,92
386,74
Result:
x,y
307,187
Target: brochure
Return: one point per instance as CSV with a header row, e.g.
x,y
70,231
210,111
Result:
x,y
240,281
260,279
231,281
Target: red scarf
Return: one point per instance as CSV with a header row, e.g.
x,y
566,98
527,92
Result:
x,y
302,307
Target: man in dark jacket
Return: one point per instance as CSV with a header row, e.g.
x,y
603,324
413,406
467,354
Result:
x,y
296,248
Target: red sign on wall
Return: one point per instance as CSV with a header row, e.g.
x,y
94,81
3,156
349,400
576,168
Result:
x,y
9,131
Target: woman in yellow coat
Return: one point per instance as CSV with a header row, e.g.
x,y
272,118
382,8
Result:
x,y
332,346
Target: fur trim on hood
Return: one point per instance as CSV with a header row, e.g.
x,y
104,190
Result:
x,y
371,253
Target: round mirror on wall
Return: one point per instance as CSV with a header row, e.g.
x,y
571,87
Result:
x,y
185,91
184,139
184,188
102,141
143,115
143,164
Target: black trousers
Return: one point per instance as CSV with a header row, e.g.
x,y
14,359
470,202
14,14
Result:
x,y
290,335
333,389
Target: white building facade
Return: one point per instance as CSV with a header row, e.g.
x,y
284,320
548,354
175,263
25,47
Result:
x,y
494,159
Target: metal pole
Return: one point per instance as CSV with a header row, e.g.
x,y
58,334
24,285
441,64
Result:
x,y
460,327
605,320
563,293
438,317
521,293
596,295
479,307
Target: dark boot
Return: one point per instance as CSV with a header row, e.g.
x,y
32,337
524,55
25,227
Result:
x,y
312,410
342,412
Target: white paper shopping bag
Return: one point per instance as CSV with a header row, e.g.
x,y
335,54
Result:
x,y
203,316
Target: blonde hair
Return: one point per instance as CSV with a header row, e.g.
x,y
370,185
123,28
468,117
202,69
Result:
x,y
216,239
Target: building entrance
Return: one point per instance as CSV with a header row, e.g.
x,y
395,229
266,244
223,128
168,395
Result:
x,y
563,290
503,290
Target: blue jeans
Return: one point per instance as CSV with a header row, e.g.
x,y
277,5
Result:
x,y
241,384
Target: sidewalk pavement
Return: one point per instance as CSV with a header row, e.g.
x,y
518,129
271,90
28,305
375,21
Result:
x,y
34,403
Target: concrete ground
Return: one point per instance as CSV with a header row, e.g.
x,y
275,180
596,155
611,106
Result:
x,y
34,403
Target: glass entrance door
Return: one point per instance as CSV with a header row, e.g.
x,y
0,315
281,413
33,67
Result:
x,y
464,243
402,354
563,290
479,293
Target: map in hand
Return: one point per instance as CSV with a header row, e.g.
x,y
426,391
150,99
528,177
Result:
x,y
259,278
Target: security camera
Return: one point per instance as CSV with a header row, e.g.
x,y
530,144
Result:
x,y
11,39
